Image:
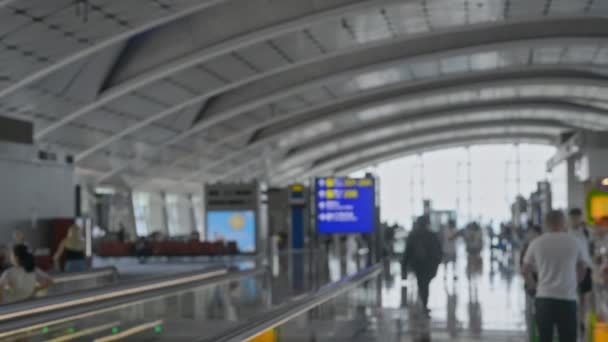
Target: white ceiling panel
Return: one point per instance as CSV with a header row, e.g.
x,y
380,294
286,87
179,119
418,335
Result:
x,y
548,55
263,56
601,56
155,135
520,9
564,7
297,46
136,105
577,54
196,80
111,121
425,69
456,64
408,18
204,51
167,92
231,68
332,35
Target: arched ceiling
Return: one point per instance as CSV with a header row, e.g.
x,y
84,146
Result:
x,y
220,89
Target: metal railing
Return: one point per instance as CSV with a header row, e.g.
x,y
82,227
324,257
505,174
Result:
x,y
286,312
62,278
36,314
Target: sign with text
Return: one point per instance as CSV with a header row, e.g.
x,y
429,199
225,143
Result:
x,y
345,205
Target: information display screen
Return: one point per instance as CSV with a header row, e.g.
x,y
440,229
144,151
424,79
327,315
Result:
x,y
237,226
345,205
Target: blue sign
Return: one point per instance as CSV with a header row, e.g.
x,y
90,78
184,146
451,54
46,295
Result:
x,y
345,205
237,226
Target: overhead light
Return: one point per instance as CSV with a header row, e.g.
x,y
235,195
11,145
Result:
x,y
102,190
605,182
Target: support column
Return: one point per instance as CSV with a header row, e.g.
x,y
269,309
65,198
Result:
x,y
469,183
193,227
165,212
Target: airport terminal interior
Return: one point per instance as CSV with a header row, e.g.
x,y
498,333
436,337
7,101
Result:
x,y
304,170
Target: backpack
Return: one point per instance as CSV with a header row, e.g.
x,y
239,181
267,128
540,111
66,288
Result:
x,y
425,252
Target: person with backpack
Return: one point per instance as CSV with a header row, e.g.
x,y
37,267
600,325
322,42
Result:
x,y
21,281
423,255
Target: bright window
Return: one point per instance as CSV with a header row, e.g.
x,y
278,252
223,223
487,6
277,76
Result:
x,y
480,183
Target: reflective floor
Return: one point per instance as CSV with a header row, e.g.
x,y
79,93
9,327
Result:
x,y
476,300
485,302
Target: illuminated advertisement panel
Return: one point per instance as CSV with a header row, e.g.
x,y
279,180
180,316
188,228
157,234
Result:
x,y
235,225
345,205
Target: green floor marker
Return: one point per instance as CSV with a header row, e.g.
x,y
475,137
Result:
x,y
71,330
158,329
114,330
45,330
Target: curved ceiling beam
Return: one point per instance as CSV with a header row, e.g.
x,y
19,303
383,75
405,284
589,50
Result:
x,y
360,103
511,125
570,115
274,96
400,94
103,44
374,99
403,86
219,119
439,129
432,137
294,120
245,39
358,164
488,35
412,50
543,75
531,139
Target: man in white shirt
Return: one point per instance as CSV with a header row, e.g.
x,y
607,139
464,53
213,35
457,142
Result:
x,y
559,263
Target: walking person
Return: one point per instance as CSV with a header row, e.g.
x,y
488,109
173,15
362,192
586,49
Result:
x,y
73,247
473,239
559,264
448,244
423,256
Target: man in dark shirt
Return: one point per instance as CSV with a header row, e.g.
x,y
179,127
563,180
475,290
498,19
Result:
x,y
423,255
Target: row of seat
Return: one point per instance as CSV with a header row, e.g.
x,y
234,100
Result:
x,y
168,248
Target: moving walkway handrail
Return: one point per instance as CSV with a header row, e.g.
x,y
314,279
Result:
x,y
63,301
93,273
29,316
286,312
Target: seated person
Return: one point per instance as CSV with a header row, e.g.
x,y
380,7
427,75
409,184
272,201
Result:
x,y
21,281
195,236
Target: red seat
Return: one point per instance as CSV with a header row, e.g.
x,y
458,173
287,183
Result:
x,y
115,249
231,247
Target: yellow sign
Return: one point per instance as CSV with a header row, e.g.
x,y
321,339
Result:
x,y
330,194
601,332
351,194
330,183
297,188
597,206
237,222
365,182
268,336
350,182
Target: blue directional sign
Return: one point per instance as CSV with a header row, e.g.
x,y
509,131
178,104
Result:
x,y
345,205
